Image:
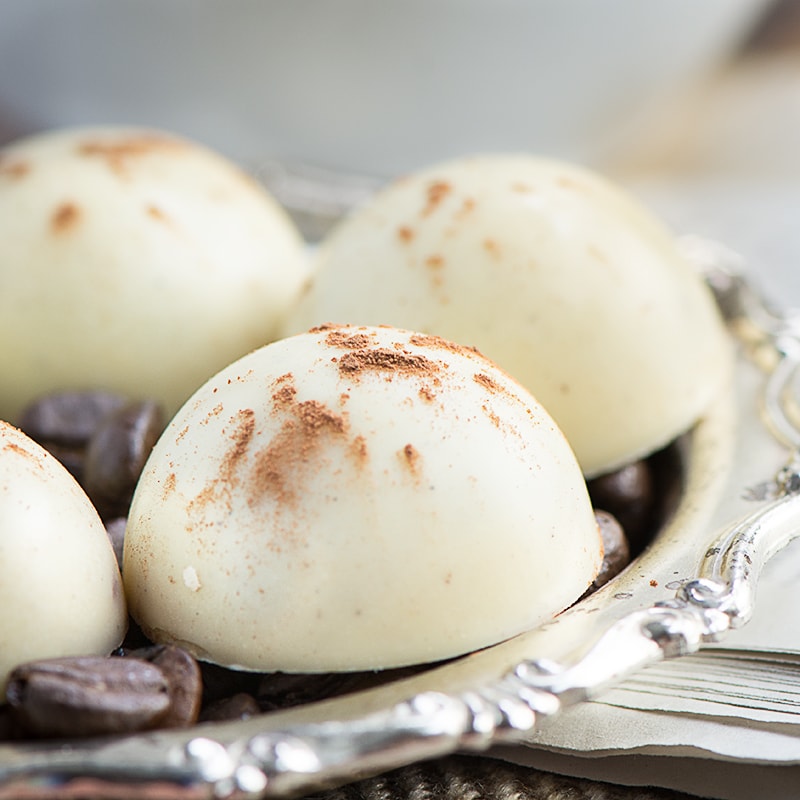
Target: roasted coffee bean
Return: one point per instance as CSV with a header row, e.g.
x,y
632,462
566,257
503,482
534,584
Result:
x,y
68,418
116,455
115,528
240,706
616,554
628,495
183,678
88,696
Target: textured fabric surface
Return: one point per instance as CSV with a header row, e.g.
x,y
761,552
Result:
x,y
477,778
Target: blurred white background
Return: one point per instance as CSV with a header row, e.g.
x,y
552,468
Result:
x,y
363,85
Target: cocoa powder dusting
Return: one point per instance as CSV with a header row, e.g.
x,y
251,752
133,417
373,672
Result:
x,y
37,460
244,423
14,168
436,193
220,488
66,216
430,340
411,458
493,418
466,207
359,449
280,468
341,338
156,213
382,360
169,485
118,153
427,394
487,382
491,247
405,234
284,396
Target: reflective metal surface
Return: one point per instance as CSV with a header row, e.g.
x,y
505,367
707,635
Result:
x,y
693,584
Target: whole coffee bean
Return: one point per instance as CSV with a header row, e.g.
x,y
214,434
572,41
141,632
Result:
x,y
68,418
183,678
616,555
629,496
239,706
87,696
116,455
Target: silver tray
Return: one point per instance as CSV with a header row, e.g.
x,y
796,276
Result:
x,y
740,503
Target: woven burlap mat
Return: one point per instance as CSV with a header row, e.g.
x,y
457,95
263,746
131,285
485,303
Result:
x,y
478,778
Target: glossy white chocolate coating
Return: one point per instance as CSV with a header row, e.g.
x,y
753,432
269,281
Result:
x,y
60,589
134,261
357,498
562,279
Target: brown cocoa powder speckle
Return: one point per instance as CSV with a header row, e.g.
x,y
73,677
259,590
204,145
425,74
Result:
x,y
410,457
169,485
359,449
427,394
431,341
154,212
284,396
65,217
493,418
487,382
38,460
244,426
14,168
281,468
467,207
215,412
382,360
405,234
220,488
341,338
492,247
435,195
119,153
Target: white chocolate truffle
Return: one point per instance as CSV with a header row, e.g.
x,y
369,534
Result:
x,y
60,588
134,261
356,498
556,275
